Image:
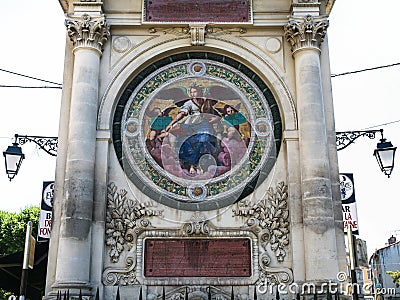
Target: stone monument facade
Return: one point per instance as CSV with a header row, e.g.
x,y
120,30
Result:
x,y
197,155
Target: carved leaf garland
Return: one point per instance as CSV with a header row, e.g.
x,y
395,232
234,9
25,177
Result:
x,y
271,215
123,217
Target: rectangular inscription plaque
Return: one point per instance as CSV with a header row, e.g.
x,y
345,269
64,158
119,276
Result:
x,y
197,11
197,257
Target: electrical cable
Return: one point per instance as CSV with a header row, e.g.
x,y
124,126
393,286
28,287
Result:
x,y
31,87
363,70
388,123
59,84
30,77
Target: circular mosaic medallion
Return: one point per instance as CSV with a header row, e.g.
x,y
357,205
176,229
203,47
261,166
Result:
x,y
196,134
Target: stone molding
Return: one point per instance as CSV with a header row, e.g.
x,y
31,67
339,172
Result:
x,y
197,33
87,31
306,32
195,292
306,3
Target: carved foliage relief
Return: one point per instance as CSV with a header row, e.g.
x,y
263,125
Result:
x,y
306,32
271,216
123,219
88,31
266,223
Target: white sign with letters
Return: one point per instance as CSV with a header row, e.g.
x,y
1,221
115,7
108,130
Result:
x,y
349,206
46,214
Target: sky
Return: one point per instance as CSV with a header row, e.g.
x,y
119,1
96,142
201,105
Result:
x,y
361,35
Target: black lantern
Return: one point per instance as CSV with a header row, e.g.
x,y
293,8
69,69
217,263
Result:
x,y
384,154
13,158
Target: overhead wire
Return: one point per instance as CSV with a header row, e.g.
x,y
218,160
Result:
x,y
364,70
384,124
30,77
371,69
60,85
31,87
57,85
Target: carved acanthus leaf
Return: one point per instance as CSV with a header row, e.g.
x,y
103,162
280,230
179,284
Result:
x,y
88,31
271,217
124,218
306,32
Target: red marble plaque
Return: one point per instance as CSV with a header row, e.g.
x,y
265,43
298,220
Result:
x,y
198,11
197,257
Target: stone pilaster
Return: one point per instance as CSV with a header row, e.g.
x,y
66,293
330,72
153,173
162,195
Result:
x,y
305,34
88,35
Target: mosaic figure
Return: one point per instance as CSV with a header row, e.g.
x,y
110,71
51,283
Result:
x,y
203,136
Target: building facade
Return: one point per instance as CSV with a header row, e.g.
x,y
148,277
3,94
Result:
x,y
197,154
385,259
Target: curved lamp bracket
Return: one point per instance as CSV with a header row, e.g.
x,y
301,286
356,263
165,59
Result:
x,y
48,144
346,138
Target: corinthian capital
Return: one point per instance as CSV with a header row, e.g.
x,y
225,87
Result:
x,y
87,31
306,32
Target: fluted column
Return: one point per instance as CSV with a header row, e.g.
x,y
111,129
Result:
x,y
88,35
305,34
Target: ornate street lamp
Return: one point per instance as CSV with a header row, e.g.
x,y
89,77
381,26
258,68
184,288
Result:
x,y
384,152
13,155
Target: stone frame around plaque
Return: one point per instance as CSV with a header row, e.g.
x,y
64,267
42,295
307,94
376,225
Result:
x,y
213,280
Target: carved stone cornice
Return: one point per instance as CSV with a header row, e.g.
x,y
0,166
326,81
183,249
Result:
x,y
197,33
306,3
306,32
87,31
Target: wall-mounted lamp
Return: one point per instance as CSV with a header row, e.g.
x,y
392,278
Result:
x,y
384,152
13,156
